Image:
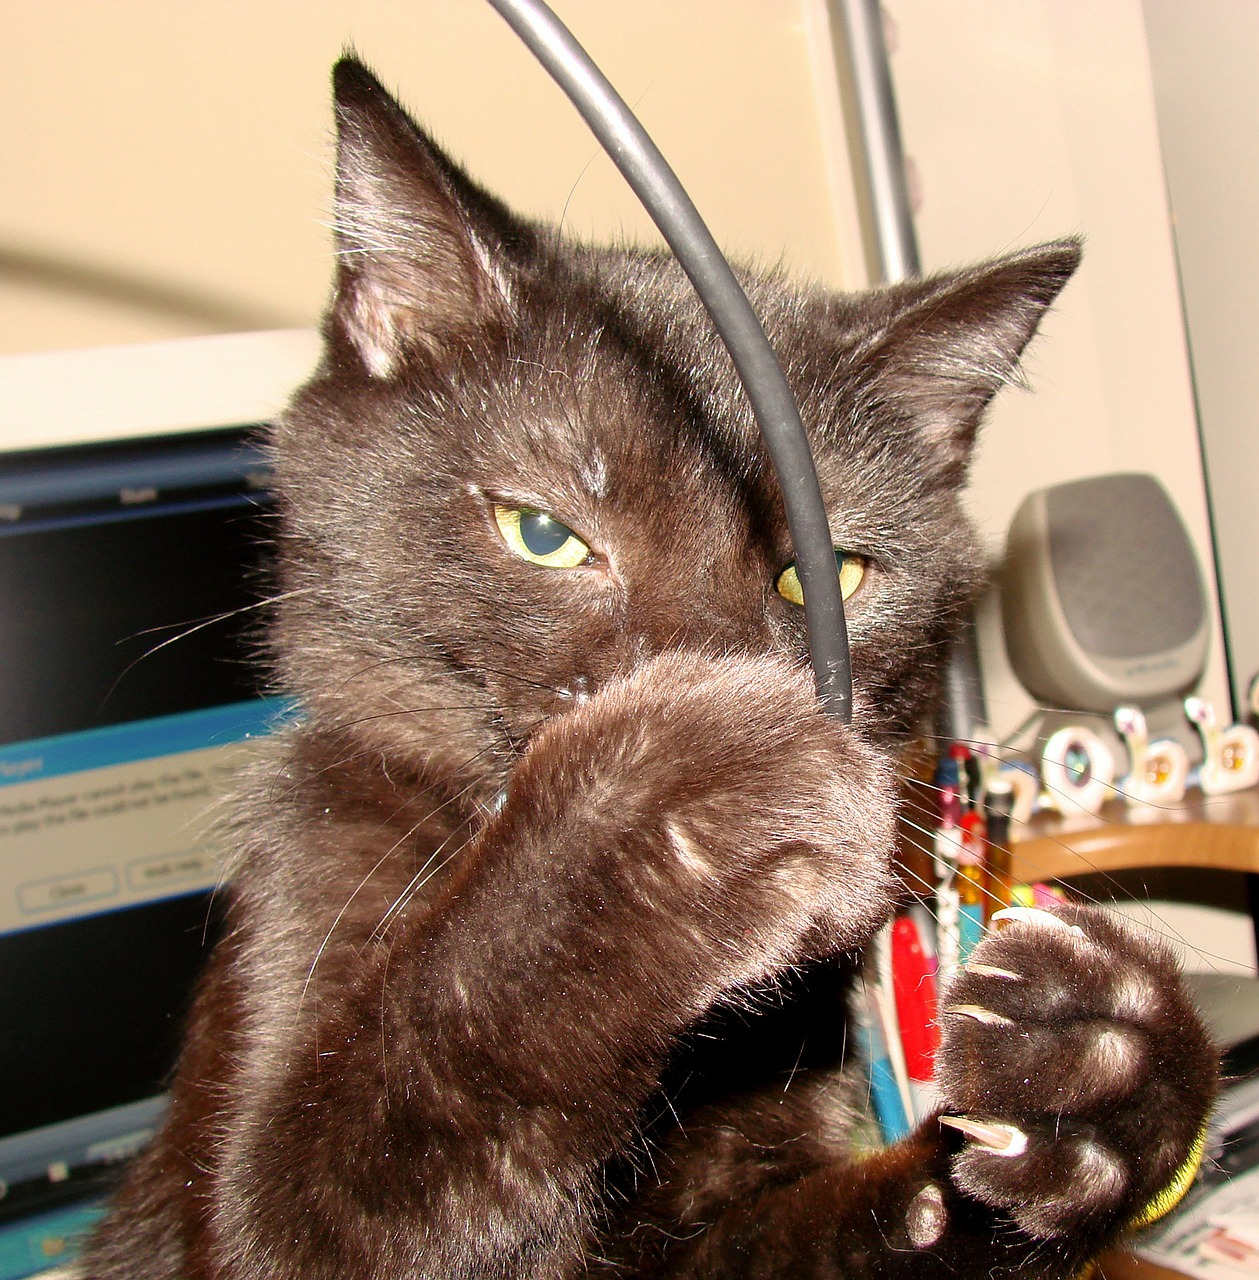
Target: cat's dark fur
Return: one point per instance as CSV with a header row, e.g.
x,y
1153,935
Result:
x,y
526,969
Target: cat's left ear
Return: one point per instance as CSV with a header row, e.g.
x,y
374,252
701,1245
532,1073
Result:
x,y
949,344
416,239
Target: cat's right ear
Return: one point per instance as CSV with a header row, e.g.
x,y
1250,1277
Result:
x,y
414,278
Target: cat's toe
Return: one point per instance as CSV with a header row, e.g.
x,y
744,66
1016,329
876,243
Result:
x,y
1050,1178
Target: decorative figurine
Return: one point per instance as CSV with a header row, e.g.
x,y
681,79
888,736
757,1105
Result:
x,y
1230,757
1158,771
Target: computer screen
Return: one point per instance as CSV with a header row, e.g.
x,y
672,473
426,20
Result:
x,y
133,581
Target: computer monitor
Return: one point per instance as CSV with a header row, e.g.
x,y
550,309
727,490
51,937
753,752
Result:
x,y
133,576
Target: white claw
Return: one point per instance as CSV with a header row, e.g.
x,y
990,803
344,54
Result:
x,y
991,971
1034,916
1001,1139
980,1014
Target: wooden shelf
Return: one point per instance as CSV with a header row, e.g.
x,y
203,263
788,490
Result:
x,y
1203,831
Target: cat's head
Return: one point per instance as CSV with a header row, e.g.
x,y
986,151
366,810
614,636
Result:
x,y
525,465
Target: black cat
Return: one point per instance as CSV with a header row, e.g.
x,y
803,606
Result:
x,y
529,969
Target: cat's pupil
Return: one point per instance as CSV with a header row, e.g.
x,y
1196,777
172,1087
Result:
x,y
541,534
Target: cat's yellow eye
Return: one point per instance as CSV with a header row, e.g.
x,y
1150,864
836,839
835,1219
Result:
x,y
851,571
539,538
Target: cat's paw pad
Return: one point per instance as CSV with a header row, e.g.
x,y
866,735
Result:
x,y
1077,1072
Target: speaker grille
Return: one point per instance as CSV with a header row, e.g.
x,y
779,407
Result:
x,y
1127,577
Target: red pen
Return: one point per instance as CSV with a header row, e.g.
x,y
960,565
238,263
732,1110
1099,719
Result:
x,y
913,987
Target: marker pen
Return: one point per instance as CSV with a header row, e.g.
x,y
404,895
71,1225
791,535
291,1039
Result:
x,y
998,806
914,988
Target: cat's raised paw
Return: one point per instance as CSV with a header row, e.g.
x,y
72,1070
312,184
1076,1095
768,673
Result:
x,y
772,844
1074,1071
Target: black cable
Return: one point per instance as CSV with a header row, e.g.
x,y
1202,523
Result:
x,y
773,405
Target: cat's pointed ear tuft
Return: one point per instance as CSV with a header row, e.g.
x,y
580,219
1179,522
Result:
x,y
952,342
413,274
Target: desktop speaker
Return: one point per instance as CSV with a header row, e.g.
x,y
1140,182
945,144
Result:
x,y
1102,596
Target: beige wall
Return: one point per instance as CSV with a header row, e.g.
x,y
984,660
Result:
x,y
1027,120
167,162
1204,59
